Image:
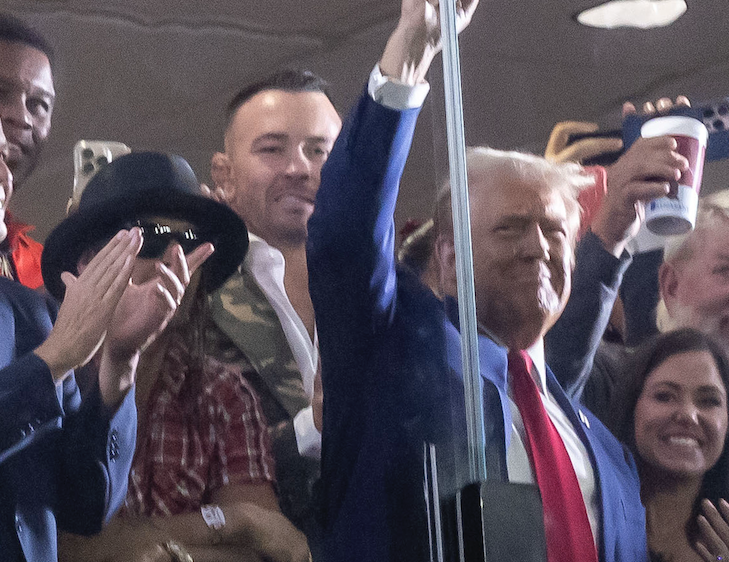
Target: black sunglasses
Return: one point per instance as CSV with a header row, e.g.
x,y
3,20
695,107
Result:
x,y
157,238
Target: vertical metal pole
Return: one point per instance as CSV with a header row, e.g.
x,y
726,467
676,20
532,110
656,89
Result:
x,y
462,239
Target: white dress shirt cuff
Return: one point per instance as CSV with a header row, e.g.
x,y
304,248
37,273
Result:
x,y
308,438
394,94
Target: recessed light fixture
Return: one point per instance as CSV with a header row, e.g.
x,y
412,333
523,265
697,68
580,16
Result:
x,y
641,14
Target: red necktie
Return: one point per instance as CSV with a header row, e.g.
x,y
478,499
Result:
x,y
569,537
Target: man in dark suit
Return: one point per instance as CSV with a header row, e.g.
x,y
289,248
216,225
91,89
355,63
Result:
x,y
389,355
64,462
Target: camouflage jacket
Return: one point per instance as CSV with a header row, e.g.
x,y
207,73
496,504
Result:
x,y
244,329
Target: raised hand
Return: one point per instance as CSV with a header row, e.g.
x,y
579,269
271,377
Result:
x,y
641,174
660,107
416,40
89,305
713,543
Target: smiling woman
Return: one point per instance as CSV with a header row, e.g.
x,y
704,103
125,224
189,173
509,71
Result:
x,y
673,413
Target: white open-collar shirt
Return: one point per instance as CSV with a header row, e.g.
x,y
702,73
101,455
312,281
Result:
x,y
267,266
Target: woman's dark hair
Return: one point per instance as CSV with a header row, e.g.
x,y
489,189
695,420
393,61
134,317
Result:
x,y
193,329
643,362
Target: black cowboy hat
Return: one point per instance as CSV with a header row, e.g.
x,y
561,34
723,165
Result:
x,y
138,185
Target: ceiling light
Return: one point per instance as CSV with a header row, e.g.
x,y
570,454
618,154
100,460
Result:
x,y
643,14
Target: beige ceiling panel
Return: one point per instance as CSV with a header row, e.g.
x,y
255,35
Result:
x,y
323,18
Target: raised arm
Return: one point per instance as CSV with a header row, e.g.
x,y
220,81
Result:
x,y
350,246
639,175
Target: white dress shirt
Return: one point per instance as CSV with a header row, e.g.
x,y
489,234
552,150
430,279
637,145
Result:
x,y
517,460
267,266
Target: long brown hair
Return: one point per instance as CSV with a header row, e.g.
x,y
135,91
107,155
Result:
x,y
646,359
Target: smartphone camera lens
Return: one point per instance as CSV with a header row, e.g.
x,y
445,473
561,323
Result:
x,y
719,125
88,168
723,110
102,161
708,113
87,153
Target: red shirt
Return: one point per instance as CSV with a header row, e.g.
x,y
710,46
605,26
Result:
x,y
25,253
181,463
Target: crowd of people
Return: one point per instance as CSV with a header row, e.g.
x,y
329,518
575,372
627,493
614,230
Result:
x,y
252,372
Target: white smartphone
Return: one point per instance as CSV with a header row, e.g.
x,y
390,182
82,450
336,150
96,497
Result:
x,y
88,158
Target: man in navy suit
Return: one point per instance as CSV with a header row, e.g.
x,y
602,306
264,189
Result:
x,y
391,355
64,462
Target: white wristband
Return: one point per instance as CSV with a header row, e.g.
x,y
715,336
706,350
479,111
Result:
x,y
214,518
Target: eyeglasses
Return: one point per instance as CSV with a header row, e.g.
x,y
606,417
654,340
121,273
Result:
x,y
157,238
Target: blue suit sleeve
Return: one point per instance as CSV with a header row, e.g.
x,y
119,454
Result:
x,y
381,370
30,401
97,451
350,247
571,344
31,404
640,294
78,452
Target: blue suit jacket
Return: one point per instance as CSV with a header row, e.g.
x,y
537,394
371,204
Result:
x,y
391,448
63,463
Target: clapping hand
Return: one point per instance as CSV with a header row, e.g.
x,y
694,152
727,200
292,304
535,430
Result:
x,y
143,312
145,309
89,304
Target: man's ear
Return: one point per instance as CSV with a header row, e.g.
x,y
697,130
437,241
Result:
x,y
668,283
445,255
221,172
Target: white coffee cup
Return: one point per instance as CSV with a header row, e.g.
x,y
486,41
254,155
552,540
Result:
x,y
676,213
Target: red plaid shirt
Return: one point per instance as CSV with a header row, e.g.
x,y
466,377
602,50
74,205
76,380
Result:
x,y
180,463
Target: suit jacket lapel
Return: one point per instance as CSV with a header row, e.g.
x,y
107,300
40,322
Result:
x,y
242,312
